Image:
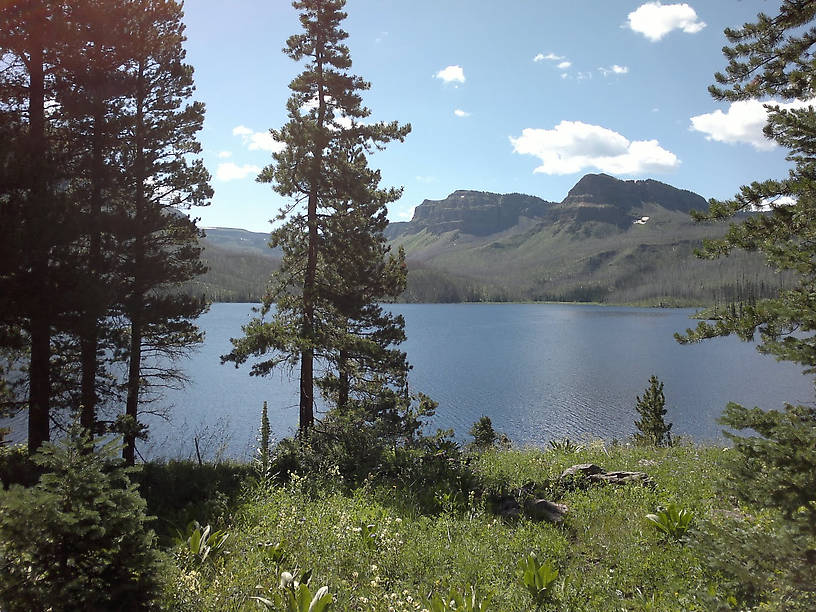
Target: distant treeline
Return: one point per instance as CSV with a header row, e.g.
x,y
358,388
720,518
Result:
x,y
652,279
232,275
649,275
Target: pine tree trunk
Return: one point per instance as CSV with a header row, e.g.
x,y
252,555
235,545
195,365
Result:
x,y
90,329
137,304
134,381
39,382
309,281
40,324
307,331
343,375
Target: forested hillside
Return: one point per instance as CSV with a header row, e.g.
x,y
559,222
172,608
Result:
x,y
608,241
239,264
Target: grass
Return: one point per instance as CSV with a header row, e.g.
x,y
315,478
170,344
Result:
x,y
377,549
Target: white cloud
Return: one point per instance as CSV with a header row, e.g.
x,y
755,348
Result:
x,y
257,141
451,74
225,154
741,123
233,172
460,113
406,215
563,63
263,141
426,179
614,69
654,20
574,146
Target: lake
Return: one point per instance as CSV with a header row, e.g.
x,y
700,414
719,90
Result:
x,y
539,371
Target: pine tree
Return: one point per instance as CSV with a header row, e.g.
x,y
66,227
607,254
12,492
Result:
x,y
772,57
77,539
117,144
34,216
93,90
335,265
264,450
652,427
160,243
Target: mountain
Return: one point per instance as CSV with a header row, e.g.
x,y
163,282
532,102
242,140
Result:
x,y
608,240
240,240
604,191
239,264
596,197
472,212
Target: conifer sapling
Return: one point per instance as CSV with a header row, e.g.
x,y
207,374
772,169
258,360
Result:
x,y
652,427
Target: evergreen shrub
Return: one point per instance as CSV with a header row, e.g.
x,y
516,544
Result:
x,y
77,539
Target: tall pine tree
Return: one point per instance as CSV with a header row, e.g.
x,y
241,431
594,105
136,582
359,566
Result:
x,y
92,92
772,60
160,242
34,217
90,193
336,265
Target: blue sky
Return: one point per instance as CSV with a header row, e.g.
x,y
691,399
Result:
x,y
516,96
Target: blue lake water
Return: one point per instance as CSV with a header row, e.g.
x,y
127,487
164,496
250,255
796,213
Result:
x,y
539,371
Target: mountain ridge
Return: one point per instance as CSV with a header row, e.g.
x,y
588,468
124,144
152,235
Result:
x,y
609,199
608,240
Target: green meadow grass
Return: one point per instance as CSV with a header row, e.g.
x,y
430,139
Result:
x,y
377,549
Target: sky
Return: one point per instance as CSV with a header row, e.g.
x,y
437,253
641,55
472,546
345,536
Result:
x,y
523,96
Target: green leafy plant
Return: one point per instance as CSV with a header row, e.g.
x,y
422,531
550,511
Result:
x,y
295,595
467,600
368,534
671,521
538,578
485,436
565,445
275,553
202,544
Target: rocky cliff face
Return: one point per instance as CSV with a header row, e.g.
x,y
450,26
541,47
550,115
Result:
x,y
604,190
476,212
596,197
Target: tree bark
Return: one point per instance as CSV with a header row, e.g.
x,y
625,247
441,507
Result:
x,y
137,301
309,281
89,342
133,386
343,375
40,324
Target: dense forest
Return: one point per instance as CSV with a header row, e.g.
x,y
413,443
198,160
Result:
x,y
361,509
